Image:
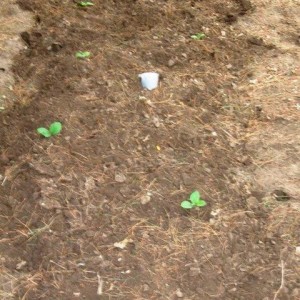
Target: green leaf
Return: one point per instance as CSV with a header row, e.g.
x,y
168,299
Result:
x,y
44,132
186,204
55,128
198,36
85,3
194,197
201,203
83,54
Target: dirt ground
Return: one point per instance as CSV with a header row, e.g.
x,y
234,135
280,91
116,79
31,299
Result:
x,y
13,22
94,213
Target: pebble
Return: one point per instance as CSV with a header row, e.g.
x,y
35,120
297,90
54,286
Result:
x,y
298,250
156,122
21,264
171,63
146,287
253,81
179,294
252,203
146,198
120,177
76,294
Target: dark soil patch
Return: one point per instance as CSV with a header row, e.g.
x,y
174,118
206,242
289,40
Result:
x,y
66,200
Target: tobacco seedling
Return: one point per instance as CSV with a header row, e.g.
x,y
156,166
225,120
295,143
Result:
x,y
83,54
194,201
198,36
85,3
54,129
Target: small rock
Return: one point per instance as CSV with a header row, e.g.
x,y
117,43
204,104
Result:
x,y
252,203
89,183
234,85
145,235
215,212
80,264
123,244
298,250
171,63
212,221
156,122
178,293
253,81
120,177
146,198
21,264
66,178
146,287
75,294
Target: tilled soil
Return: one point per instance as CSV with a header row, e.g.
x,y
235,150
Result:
x,y
94,213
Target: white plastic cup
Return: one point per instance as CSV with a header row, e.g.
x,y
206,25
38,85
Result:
x,y
149,80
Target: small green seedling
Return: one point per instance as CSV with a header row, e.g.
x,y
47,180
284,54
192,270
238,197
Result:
x,y
54,129
198,36
83,54
85,3
194,201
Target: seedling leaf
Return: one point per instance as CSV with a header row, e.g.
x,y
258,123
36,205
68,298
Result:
x,y
195,197
201,203
186,204
55,128
85,3
44,132
198,36
83,54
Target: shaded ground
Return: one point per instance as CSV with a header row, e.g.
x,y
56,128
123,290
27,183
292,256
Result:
x,y
126,158
13,21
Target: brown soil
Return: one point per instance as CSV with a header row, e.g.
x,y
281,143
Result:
x,y
13,21
126,158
